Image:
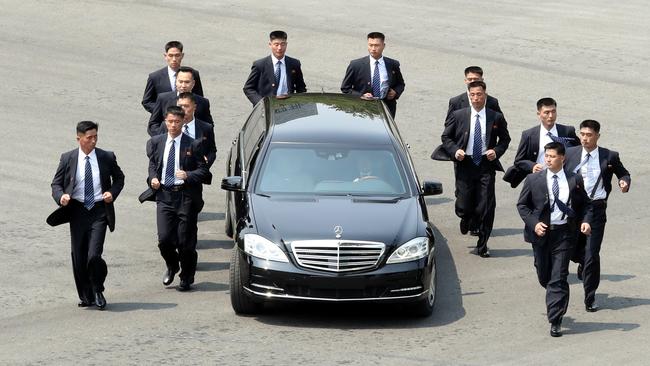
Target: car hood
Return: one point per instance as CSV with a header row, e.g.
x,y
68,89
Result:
x,y
287,219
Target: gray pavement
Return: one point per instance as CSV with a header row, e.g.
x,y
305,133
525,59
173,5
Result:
x,y
65,61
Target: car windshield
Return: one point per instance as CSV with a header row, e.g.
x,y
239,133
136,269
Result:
x,y
314,169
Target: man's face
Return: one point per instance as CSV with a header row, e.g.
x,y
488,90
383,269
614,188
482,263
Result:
x,y
547,115
87,141
278,47
589,138
173,123
174,56
477,97
472,76
188,107
554,161
184,82
376,47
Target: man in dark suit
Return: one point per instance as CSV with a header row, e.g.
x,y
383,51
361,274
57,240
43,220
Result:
x,y
276,74
184,84
375,76
530,153
596,165
476,137
177,170
164,80
472,73
552,204
85,185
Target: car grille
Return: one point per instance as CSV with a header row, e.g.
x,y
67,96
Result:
x,y
337,255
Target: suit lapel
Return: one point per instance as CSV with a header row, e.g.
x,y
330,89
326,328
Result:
x,y
288,66
271,74
489,122
467,116
72,168
534,141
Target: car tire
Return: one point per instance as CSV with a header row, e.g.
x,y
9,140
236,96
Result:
x,y
424,308
240,301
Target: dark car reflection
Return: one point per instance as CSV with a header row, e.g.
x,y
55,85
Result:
x,y
324,205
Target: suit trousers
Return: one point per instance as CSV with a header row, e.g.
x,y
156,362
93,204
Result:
x,y
177,218
475,197
87,234
588,251
552,259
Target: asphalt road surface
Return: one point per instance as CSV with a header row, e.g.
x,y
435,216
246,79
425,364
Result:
x,y
65,61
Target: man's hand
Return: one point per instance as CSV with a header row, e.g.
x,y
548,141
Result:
x,y
540,229
491,154
585,228
107,197
181,174
538,168
624,186
391,94
65,199
460,154
155,183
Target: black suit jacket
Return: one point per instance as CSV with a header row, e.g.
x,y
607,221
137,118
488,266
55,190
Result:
x,y
261,80
191,161
167,99
205,134
110,175
610,164
462,101
534,204
456,134
358,79
158,83
528,150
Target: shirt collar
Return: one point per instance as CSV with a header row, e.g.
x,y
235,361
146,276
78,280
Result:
x,y
550,174
481,113
275,60
553,129
372,60
82,155
177,139
593,153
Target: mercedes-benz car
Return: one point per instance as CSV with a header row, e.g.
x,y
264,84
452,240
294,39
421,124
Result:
x,y
324,204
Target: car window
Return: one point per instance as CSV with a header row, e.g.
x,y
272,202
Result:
x,y
297,168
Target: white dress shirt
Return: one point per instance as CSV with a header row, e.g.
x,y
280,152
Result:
x,y
543,140
383,73
177,154
283,75
472,121
557,216
590,173
172,78
79,190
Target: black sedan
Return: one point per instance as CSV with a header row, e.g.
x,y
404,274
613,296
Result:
x,y
324,204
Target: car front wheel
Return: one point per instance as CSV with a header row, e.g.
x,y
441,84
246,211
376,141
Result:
x,y
240,301
424,307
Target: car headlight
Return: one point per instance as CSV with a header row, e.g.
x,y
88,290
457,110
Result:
x,y
412,250
263,248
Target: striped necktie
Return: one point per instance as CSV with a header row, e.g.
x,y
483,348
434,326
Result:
x,y
89,187
171,162
376,81
477,150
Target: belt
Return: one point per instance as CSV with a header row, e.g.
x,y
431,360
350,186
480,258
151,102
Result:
x,y
176,188
599,203
553,227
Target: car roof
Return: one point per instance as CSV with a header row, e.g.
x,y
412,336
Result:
x,y
328,118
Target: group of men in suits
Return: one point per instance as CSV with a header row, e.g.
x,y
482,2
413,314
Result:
x,y
369,77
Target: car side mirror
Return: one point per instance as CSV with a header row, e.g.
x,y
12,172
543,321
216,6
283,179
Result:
x,y
431,188
232,184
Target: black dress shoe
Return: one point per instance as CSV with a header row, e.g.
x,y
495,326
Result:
x,y
168,278
556,330
592,308
485,254
579,274
474,232
100,301
85,304
185,285
464,226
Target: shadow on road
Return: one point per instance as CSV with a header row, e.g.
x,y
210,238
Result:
x,y
619,302
437,201
572,327
448,308
212,266
119,307
214,244
210,286
506,232
508,253
211,216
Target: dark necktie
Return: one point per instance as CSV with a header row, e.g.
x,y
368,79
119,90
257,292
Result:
x,y
89,189
376,81
278,72
174,82
477,150
566,210
556,138
582,163
171,160
186,130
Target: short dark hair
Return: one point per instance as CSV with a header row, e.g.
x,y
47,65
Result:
x,y
175,110
187,95
546,102
278,34
186,69
557,146
375,35
477,83
590,123
474,70
85,126
173,44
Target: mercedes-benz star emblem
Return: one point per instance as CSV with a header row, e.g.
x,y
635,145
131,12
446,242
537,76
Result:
x,y
338,230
